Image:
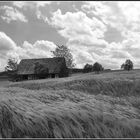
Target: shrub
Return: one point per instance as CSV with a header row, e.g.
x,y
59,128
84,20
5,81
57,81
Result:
x,y
128,65
87,68
97,67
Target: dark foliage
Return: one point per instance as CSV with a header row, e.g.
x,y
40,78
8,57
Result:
x,y
87,68
12,65
11,69
64,72
64,51
12,76
76,70
97,67
128,65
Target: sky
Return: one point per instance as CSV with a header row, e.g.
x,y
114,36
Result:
x,y
107,32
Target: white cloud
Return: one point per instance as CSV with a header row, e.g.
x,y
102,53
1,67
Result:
x,y
12,14
36,5
72,24
132,46
130,10
19,4
6,43
8,49
84,35
86,32
108,12
122,15
78,27
31,4
37,50
42,3
40,49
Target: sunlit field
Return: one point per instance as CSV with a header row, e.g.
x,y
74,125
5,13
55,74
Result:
x,y
105,105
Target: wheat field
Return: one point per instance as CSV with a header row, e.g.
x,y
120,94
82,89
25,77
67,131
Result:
x,y
105,105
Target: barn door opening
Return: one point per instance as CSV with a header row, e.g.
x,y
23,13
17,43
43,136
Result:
x,y
25,77
53,75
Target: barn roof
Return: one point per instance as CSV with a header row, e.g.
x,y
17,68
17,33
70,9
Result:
x,y
54,65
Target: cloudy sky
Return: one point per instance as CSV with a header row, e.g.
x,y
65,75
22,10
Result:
x,y
106,32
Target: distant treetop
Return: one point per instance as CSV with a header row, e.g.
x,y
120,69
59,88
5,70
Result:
x,y
64,51
128,65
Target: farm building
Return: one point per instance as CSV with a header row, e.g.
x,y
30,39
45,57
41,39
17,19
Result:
x,y
42,68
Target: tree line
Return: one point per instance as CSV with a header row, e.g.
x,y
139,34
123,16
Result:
x,y
95,67
128,65
64,51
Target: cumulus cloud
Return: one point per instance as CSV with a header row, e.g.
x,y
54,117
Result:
x,y
12,14
72,24
107,32
7,45
130,10
118,14
132,46
109,12
37,50
8,49
85,35
31,4
36,5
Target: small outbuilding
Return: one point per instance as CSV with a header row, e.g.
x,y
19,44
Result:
x,y
42,68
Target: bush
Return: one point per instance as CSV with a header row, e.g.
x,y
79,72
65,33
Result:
x,y
87,68
12,76
97,67
11,69
128,65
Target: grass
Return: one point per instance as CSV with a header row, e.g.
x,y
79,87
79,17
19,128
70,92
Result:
x,y
83,106
3,82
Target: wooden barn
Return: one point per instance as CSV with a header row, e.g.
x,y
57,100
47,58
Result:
x,y
42,68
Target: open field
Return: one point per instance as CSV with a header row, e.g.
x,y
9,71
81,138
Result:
x,y
3,82
82,106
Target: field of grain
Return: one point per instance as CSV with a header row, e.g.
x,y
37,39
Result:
x,y
4,82
105,105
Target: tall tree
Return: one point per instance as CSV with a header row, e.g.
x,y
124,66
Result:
x,y
87,68
97,67
64,51
128,65
11,69
122,66
11,65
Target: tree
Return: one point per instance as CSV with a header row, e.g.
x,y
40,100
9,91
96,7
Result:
x,y
64,51
122,66
97,67
128,65
11,65
11,69
87,68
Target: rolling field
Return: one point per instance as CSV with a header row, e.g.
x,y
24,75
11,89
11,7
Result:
x,y
3,82
105,105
